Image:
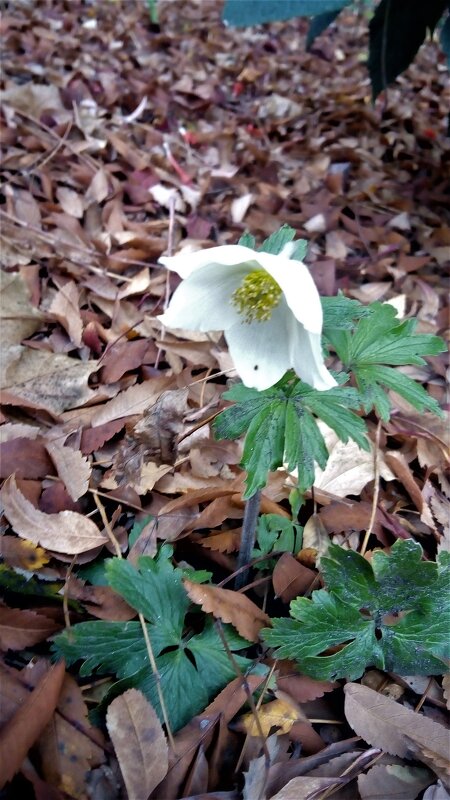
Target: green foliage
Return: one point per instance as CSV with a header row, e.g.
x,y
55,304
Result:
x,y
352,614
378,343
275,243
396,31
281,428
193,666
274,534
254,12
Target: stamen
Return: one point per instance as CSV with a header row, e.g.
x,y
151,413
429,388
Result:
x,y
257,296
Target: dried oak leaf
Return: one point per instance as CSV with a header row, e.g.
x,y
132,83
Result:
x,y
139,741
67,532
19,319
229,606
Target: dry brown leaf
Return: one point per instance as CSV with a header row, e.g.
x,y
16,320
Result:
x,y
229,606
65,308
70,746
132,401
39,379
393,781
304,788
19,319
20,628
386,724
160,426
66,532
23,729
73,468
290,578
446,688
139,742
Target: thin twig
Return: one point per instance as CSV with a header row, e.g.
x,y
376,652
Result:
x,y
250,521
107,526
376,489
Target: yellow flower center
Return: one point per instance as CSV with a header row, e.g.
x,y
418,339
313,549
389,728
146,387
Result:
x,y
257,296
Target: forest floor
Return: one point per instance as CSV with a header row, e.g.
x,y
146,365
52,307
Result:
x,y
124,139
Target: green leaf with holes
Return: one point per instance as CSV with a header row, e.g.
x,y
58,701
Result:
x,y
392,613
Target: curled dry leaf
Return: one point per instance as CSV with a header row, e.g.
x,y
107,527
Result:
x,y
66,532
65,308
384,723
139,741
279,714
304,788
393,780
229,606
73,468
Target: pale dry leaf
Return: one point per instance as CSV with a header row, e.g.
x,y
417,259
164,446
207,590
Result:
x,y
384,723
446,688
67,532
32,98
436,792
393,781
39,379
72,467
98,188
139,741
304,788
18,318
349,468
65,308
132,401
229,606
70,201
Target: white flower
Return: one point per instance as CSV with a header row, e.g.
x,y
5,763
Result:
x,y
267,305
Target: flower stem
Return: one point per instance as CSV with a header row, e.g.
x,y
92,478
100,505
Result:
x,y
251,514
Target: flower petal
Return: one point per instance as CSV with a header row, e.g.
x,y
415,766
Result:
x,y
298,287
306,357
202,302
226,255
260,350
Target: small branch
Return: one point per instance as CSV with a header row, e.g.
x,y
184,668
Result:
x,y
251,514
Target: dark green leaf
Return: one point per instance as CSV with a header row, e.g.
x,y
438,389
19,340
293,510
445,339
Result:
x,y
254,12
191,666
341,313
379,340
319,24
276,241
396,31
392,613
445,38
247,240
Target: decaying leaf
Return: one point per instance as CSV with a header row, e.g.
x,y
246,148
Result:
x,y
19,319
304,788
386,724
20,628
66,532
229,606
73,468
139,741
65,308
279,714
25,726
393,780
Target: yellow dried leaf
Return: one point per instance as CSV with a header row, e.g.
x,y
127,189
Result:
x,y
276,714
